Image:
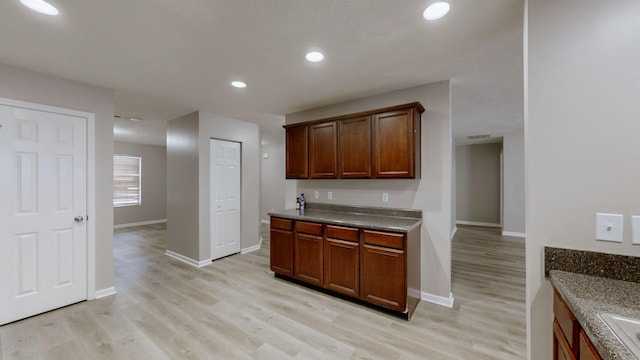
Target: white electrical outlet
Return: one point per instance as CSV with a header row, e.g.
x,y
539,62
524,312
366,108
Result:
x,y
316,194
635,226
329,195
385,197
609,227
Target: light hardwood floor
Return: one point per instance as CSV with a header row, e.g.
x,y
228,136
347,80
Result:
x,y
235,308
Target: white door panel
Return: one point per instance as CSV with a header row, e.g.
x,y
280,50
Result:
x,y
225,198
43,251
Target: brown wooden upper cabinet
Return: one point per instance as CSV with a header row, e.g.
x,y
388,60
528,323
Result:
x,y
297,159
354,148
323,150
381,143
397,144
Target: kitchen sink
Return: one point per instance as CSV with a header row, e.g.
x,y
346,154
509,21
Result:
x,y
627,330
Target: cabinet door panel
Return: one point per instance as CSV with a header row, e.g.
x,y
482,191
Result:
x,y
587,350
384,277
567,322
394,144
323,149
561,348
342,266
308,260
297,153
282,252
354,148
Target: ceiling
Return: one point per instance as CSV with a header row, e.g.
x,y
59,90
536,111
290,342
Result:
x,y
166,58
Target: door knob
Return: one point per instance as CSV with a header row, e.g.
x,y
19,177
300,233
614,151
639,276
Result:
x,y
78,219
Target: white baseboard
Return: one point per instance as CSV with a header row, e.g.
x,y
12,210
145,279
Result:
x,y
477,223
438,300
514,234
150,222
252,248
453,232
106,292
265,221
187,260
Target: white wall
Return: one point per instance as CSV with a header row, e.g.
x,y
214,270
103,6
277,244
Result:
x,y
272,178
154,185
477,180
513,203
452,225
213,126
189,185
20,84
431,193
183,192
582,126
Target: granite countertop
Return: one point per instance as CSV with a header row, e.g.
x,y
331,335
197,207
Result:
x,y
587,296
396,220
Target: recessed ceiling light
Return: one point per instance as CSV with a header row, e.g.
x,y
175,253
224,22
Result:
x,y
40,6
238,84
478,136
436,10
128,118
314,56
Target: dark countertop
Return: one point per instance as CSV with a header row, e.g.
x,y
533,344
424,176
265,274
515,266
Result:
x,y
395,220
587,296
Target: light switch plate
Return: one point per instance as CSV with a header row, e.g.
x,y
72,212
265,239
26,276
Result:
x,y
316,194
609,227
385,197
329,195
635,226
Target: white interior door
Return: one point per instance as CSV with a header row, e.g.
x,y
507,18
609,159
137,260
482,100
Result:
x,y
225,198
43,235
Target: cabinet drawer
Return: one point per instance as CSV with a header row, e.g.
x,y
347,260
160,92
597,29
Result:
x,y
309,228
384,239
342,233
282,224
566,321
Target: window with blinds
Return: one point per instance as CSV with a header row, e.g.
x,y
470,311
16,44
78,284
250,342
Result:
x,y
127,172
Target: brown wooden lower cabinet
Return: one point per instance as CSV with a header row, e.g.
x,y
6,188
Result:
x,y
308,259
368,265
385,281
281,246
561,347
308,255
342,260
587,350
570,342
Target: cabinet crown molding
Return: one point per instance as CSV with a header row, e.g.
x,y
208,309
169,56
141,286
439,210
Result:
x,y
419,108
